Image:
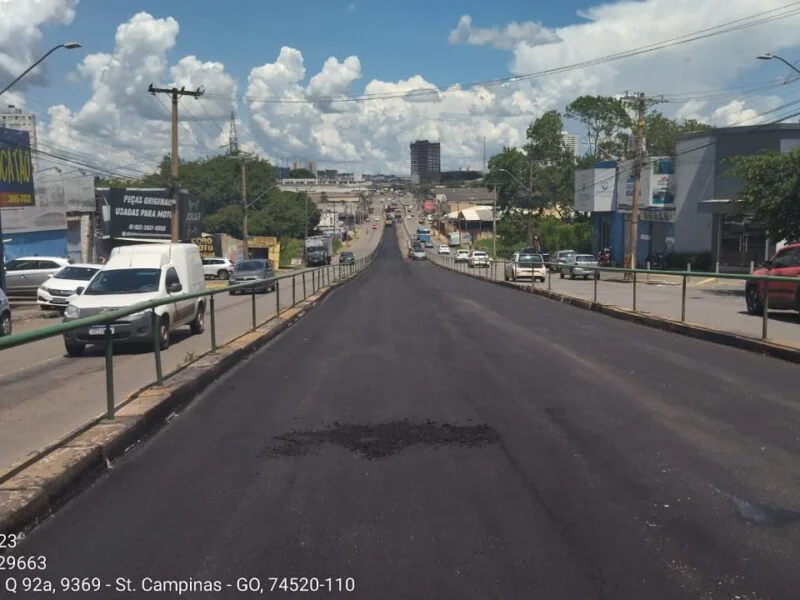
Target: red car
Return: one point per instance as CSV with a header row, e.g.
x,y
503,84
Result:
x,y
783,295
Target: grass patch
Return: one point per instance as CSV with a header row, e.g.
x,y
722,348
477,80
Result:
x,y
504,250
290,248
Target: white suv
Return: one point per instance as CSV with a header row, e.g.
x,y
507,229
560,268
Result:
x,y
478,258
221,268
444,249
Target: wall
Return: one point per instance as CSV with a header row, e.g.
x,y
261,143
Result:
x,y
694,168
36,243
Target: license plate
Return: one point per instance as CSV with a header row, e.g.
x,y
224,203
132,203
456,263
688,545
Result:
x,y
99,330
59,300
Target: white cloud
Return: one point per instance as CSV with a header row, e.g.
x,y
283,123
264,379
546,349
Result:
x,y
293,112
502,38
21,36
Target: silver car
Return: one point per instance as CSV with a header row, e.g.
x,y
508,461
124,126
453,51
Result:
x,y
24,275
580,265
5,314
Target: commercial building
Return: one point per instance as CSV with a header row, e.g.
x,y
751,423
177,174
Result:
x,y
12,117
689,204
426,161
571,142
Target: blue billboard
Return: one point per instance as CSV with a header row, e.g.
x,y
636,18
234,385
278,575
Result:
x,y
16,169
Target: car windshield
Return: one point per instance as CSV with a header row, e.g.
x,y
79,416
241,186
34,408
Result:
x,y
531,259
250,266
124,281
76,273
585,258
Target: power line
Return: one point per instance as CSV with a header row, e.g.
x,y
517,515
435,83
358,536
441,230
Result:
x,y
727,27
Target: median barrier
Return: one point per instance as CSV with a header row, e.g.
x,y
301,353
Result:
x,y
637,277
34,488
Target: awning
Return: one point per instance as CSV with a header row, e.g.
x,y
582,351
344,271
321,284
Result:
x,y
718,206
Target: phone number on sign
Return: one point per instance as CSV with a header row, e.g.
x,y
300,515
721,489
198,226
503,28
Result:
x,y
246,585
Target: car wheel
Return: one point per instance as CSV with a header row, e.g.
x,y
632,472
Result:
x,y
561,274
755,306
74,349
163,333
223,274
198,326
5,324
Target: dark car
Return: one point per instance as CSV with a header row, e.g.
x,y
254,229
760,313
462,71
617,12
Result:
x,y
347,258
253,270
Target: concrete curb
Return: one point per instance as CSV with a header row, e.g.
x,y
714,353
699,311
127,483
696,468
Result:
x,y
724,338
39,489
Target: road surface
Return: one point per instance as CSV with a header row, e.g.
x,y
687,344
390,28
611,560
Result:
x,y
433,436
46,395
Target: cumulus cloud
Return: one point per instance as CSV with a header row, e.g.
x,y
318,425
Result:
x,y
504,38
21,36
299,112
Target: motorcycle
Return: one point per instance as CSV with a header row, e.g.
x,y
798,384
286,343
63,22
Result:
x,y
605,259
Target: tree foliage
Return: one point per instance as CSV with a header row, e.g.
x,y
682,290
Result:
x,y
661,133
771,188
301,174
608,124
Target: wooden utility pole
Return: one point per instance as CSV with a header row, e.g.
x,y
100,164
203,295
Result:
x,y
638,163
245,233
175,94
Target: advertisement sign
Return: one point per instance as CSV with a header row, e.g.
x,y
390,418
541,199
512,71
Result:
x,y
16,169
206,245
660,183
147,214
261,241
594,190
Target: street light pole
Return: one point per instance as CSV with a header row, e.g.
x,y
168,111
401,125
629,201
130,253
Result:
x,y
768,56
494,223
68,46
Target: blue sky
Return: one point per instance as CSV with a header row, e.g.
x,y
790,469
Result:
x,y
393,40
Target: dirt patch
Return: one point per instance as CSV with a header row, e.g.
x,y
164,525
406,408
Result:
x,y
382,440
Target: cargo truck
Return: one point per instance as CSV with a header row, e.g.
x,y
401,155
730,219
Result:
x,y
319,250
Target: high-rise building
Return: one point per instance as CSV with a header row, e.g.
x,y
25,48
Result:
x,y
12,117
571,142
426,161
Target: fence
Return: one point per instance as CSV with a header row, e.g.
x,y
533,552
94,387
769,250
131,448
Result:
x,y
310,281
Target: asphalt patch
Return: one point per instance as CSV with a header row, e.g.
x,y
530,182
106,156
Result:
x,y
381,440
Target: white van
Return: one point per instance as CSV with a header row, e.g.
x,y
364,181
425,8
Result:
x,y
135,274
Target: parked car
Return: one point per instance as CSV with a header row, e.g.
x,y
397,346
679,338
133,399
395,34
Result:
x,y
462,256
580,265
253,270
24,275
444,249
347,258
559,258
55,292
478,258
5,314
221,268
525,265
782,295
137,274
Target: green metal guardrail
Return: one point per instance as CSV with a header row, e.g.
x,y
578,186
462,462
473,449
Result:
x,y
320,277
634,276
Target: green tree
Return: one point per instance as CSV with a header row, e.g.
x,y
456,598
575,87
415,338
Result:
x,y
661,133
607,123
301,174
552,165
771,189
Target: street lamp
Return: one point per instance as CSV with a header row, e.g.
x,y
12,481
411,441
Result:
x,y
768,56
68,46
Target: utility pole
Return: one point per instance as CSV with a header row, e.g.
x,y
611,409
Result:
x,y
641,103
494,223
245,232
484,156
175,94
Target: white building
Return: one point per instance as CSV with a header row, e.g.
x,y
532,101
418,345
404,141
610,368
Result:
x,y
571,142
12,117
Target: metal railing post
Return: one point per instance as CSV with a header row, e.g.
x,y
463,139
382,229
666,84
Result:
x,y
765,315
253,307
212,319
634,291
596,279
294,290
278,298
313,281
305,295
549,279
683,298
109,338
156,329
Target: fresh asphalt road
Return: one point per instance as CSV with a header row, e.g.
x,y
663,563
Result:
x,y
45,395
434,436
